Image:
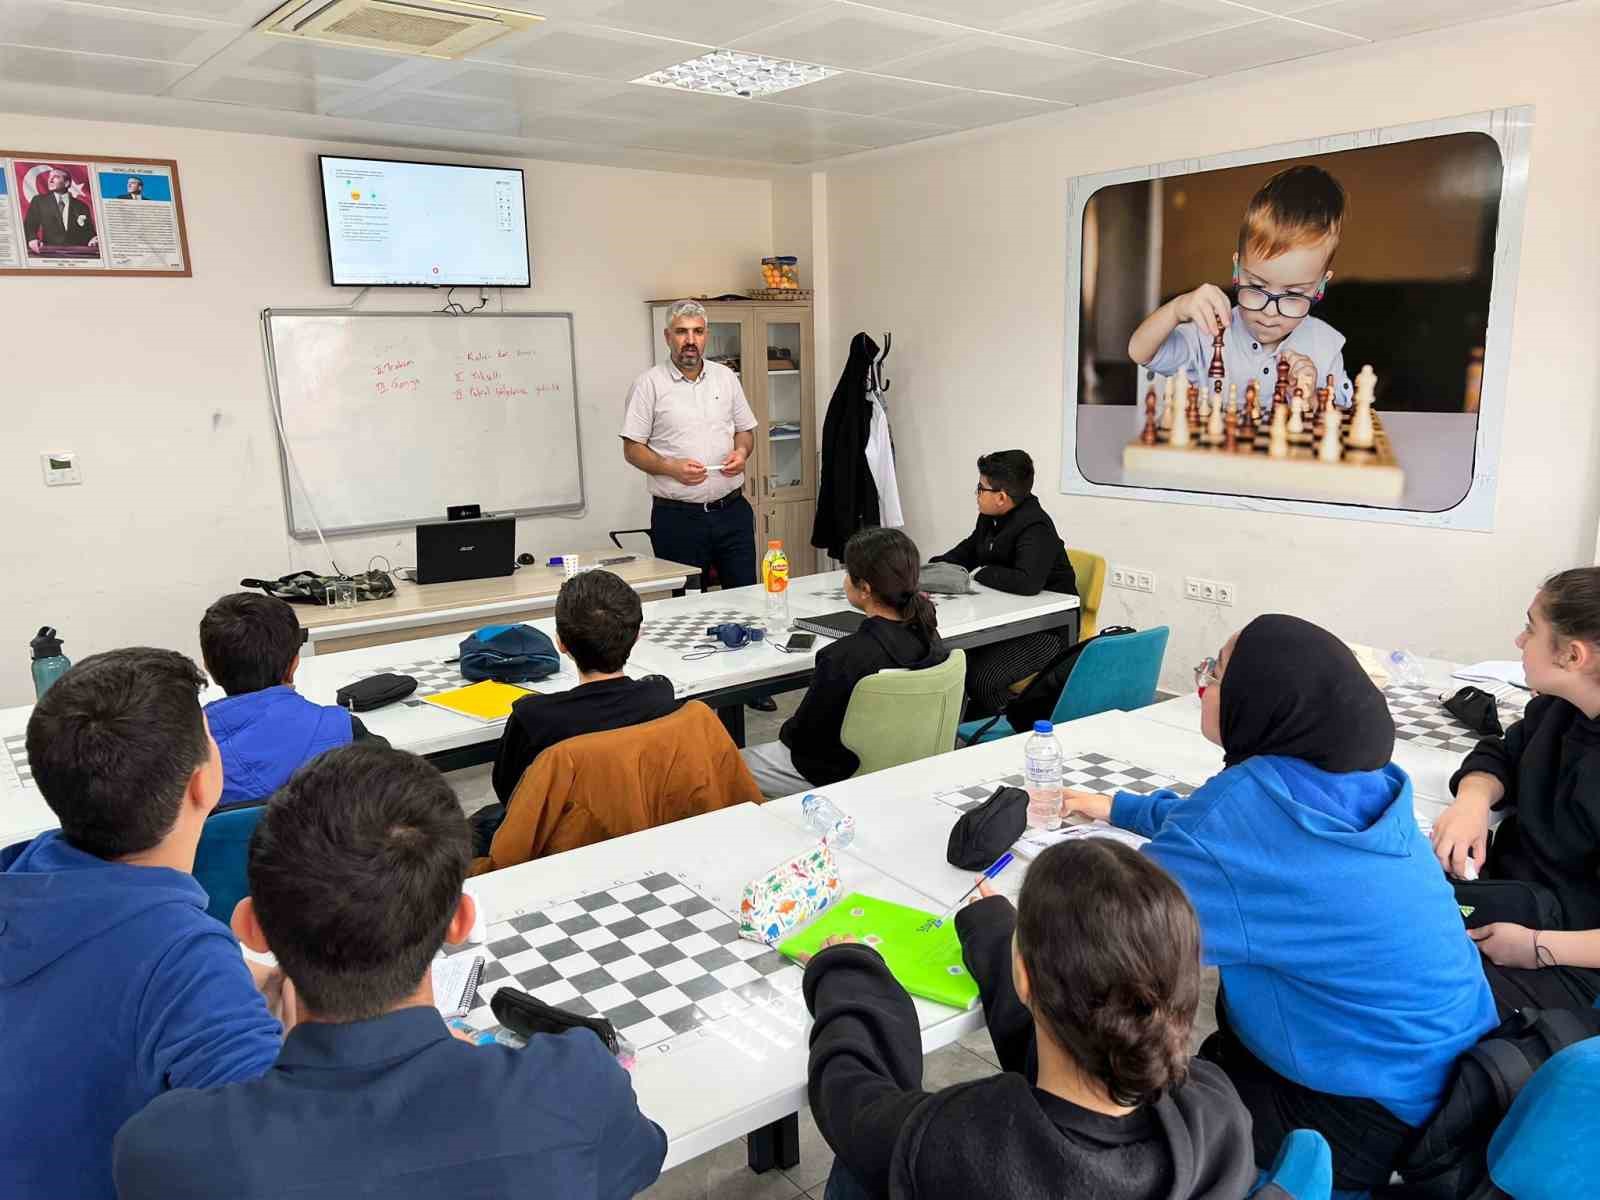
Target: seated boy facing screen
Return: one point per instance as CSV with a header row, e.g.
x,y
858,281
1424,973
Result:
x,y
264,728
355,882
1090,988
1287,240
114,983
597,623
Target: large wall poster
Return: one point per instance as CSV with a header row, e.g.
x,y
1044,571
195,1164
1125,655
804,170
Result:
x,y
1320,327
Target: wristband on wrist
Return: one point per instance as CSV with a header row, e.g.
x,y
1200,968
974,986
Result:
x,y
1543,956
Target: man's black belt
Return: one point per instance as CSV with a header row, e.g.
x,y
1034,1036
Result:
x,y
702,506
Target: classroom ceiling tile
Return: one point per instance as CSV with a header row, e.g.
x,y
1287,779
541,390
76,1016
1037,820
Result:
x,y
88,29
1386,19
276,92
579,127
777,120
663,106
312,61
1107,79
987,63
230,12
714,22
1117,27
530,91
93,72
967,110
405,108
974,14
586,50
1271,40
864,95
841,35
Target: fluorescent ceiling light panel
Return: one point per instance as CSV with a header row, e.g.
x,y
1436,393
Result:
x,y
734,73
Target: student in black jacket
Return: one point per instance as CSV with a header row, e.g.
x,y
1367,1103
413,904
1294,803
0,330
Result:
x,y
597,623
1540,940
1013,548
1090,1006
881,567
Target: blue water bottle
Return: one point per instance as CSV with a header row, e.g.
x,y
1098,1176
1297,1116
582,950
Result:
x,y
49,664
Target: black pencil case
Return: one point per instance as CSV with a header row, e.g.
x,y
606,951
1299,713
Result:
x,y
374,692
525,1016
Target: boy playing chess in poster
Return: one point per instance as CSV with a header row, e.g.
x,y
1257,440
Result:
x,y
1287,240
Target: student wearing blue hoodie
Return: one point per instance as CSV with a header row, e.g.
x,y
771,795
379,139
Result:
x,y
265,729
355,882
1349,987
114,983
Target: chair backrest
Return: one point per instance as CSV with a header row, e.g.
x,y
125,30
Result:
x,y
1090,570
598,786
1113,672
897,717
221,857
1544,1146
1303,1170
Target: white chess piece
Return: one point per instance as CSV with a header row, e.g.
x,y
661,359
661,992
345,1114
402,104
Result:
x,y
1214,422
1168,403
1180,426
1331,450
1297,408
1362,433
1233,400
1278,435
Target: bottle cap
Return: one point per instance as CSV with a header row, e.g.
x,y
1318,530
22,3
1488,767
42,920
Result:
x,y
46,644
1043,727
775,544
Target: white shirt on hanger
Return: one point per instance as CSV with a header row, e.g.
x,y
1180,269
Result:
x,y
880,461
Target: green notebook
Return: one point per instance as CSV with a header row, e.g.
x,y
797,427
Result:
x,y
927,962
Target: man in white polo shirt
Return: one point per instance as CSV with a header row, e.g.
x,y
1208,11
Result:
x,y
689,428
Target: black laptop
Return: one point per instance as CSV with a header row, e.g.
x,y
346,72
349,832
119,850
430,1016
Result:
x,y
834,624
451,550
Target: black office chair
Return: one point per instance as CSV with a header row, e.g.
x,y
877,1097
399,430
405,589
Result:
x,y
708,575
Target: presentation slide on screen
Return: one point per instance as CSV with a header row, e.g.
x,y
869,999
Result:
x,y
422,224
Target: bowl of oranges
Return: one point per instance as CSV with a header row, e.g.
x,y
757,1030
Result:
x,y
781,272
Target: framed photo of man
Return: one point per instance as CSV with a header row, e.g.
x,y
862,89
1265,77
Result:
x,y
90,215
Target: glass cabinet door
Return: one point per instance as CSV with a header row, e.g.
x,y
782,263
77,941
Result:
x,y
789,440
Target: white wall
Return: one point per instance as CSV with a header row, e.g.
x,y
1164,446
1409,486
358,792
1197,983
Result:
x,y
959,246
159,386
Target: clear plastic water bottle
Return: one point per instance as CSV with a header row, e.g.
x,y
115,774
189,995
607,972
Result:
x,y
775,578
1403,667
823,818
1041,759
49,664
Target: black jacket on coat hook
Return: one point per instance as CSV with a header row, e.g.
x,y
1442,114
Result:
x,y
847,497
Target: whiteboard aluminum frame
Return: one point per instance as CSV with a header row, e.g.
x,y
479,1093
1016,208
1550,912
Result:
x,y
1512,131
284,471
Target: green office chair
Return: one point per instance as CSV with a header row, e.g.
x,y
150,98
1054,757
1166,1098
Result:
x,y
898,717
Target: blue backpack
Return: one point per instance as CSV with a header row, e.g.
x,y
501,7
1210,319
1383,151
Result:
x,y
509,654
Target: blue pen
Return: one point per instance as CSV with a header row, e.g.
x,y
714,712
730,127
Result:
x,y
1000,864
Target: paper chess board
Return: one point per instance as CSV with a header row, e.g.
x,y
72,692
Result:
x,y
1088,772
651,954
17,758
687,631
433,675
1420,718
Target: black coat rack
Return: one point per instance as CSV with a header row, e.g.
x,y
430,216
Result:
x,y
879,383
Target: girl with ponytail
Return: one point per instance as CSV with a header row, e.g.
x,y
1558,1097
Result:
x,y
901,630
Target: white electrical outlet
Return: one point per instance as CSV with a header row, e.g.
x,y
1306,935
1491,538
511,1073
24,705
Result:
x,y
1207,591
1134,579
1224,593
1145,581
1191,588
60,468
1119,577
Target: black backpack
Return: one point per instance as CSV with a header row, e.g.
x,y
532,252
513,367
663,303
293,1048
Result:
x,y
1037,701
1449,1160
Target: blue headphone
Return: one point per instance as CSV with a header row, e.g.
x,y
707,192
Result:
x,y
732,635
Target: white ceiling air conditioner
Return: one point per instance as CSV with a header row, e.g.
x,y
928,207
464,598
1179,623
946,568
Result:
x,y
433,28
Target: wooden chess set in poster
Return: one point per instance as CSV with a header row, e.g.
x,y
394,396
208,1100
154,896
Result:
x,y
1301,444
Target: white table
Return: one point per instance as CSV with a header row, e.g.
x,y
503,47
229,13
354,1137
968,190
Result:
x,y
904,832
749,1074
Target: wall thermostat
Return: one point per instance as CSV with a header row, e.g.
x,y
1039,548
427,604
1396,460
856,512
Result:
x,y
60,468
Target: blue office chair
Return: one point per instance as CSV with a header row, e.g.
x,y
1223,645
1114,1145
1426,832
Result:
x,y
1111,672
1303,1170
219,861
1544,1147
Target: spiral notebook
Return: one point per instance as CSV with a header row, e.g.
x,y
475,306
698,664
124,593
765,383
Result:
x,y
455,983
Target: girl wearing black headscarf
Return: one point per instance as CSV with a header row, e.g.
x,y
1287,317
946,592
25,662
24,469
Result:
x,y
1349,986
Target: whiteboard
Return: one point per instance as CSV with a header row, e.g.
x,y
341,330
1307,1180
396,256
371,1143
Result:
x,y
385,419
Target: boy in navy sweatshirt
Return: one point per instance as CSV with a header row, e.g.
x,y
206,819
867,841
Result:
x,y
264,728
355,882
114,983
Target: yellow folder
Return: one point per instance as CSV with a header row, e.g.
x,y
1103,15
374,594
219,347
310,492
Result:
x,y
486,701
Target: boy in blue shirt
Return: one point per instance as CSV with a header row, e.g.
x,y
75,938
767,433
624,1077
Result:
x,y
1287,240
265,729
355,881
114,983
